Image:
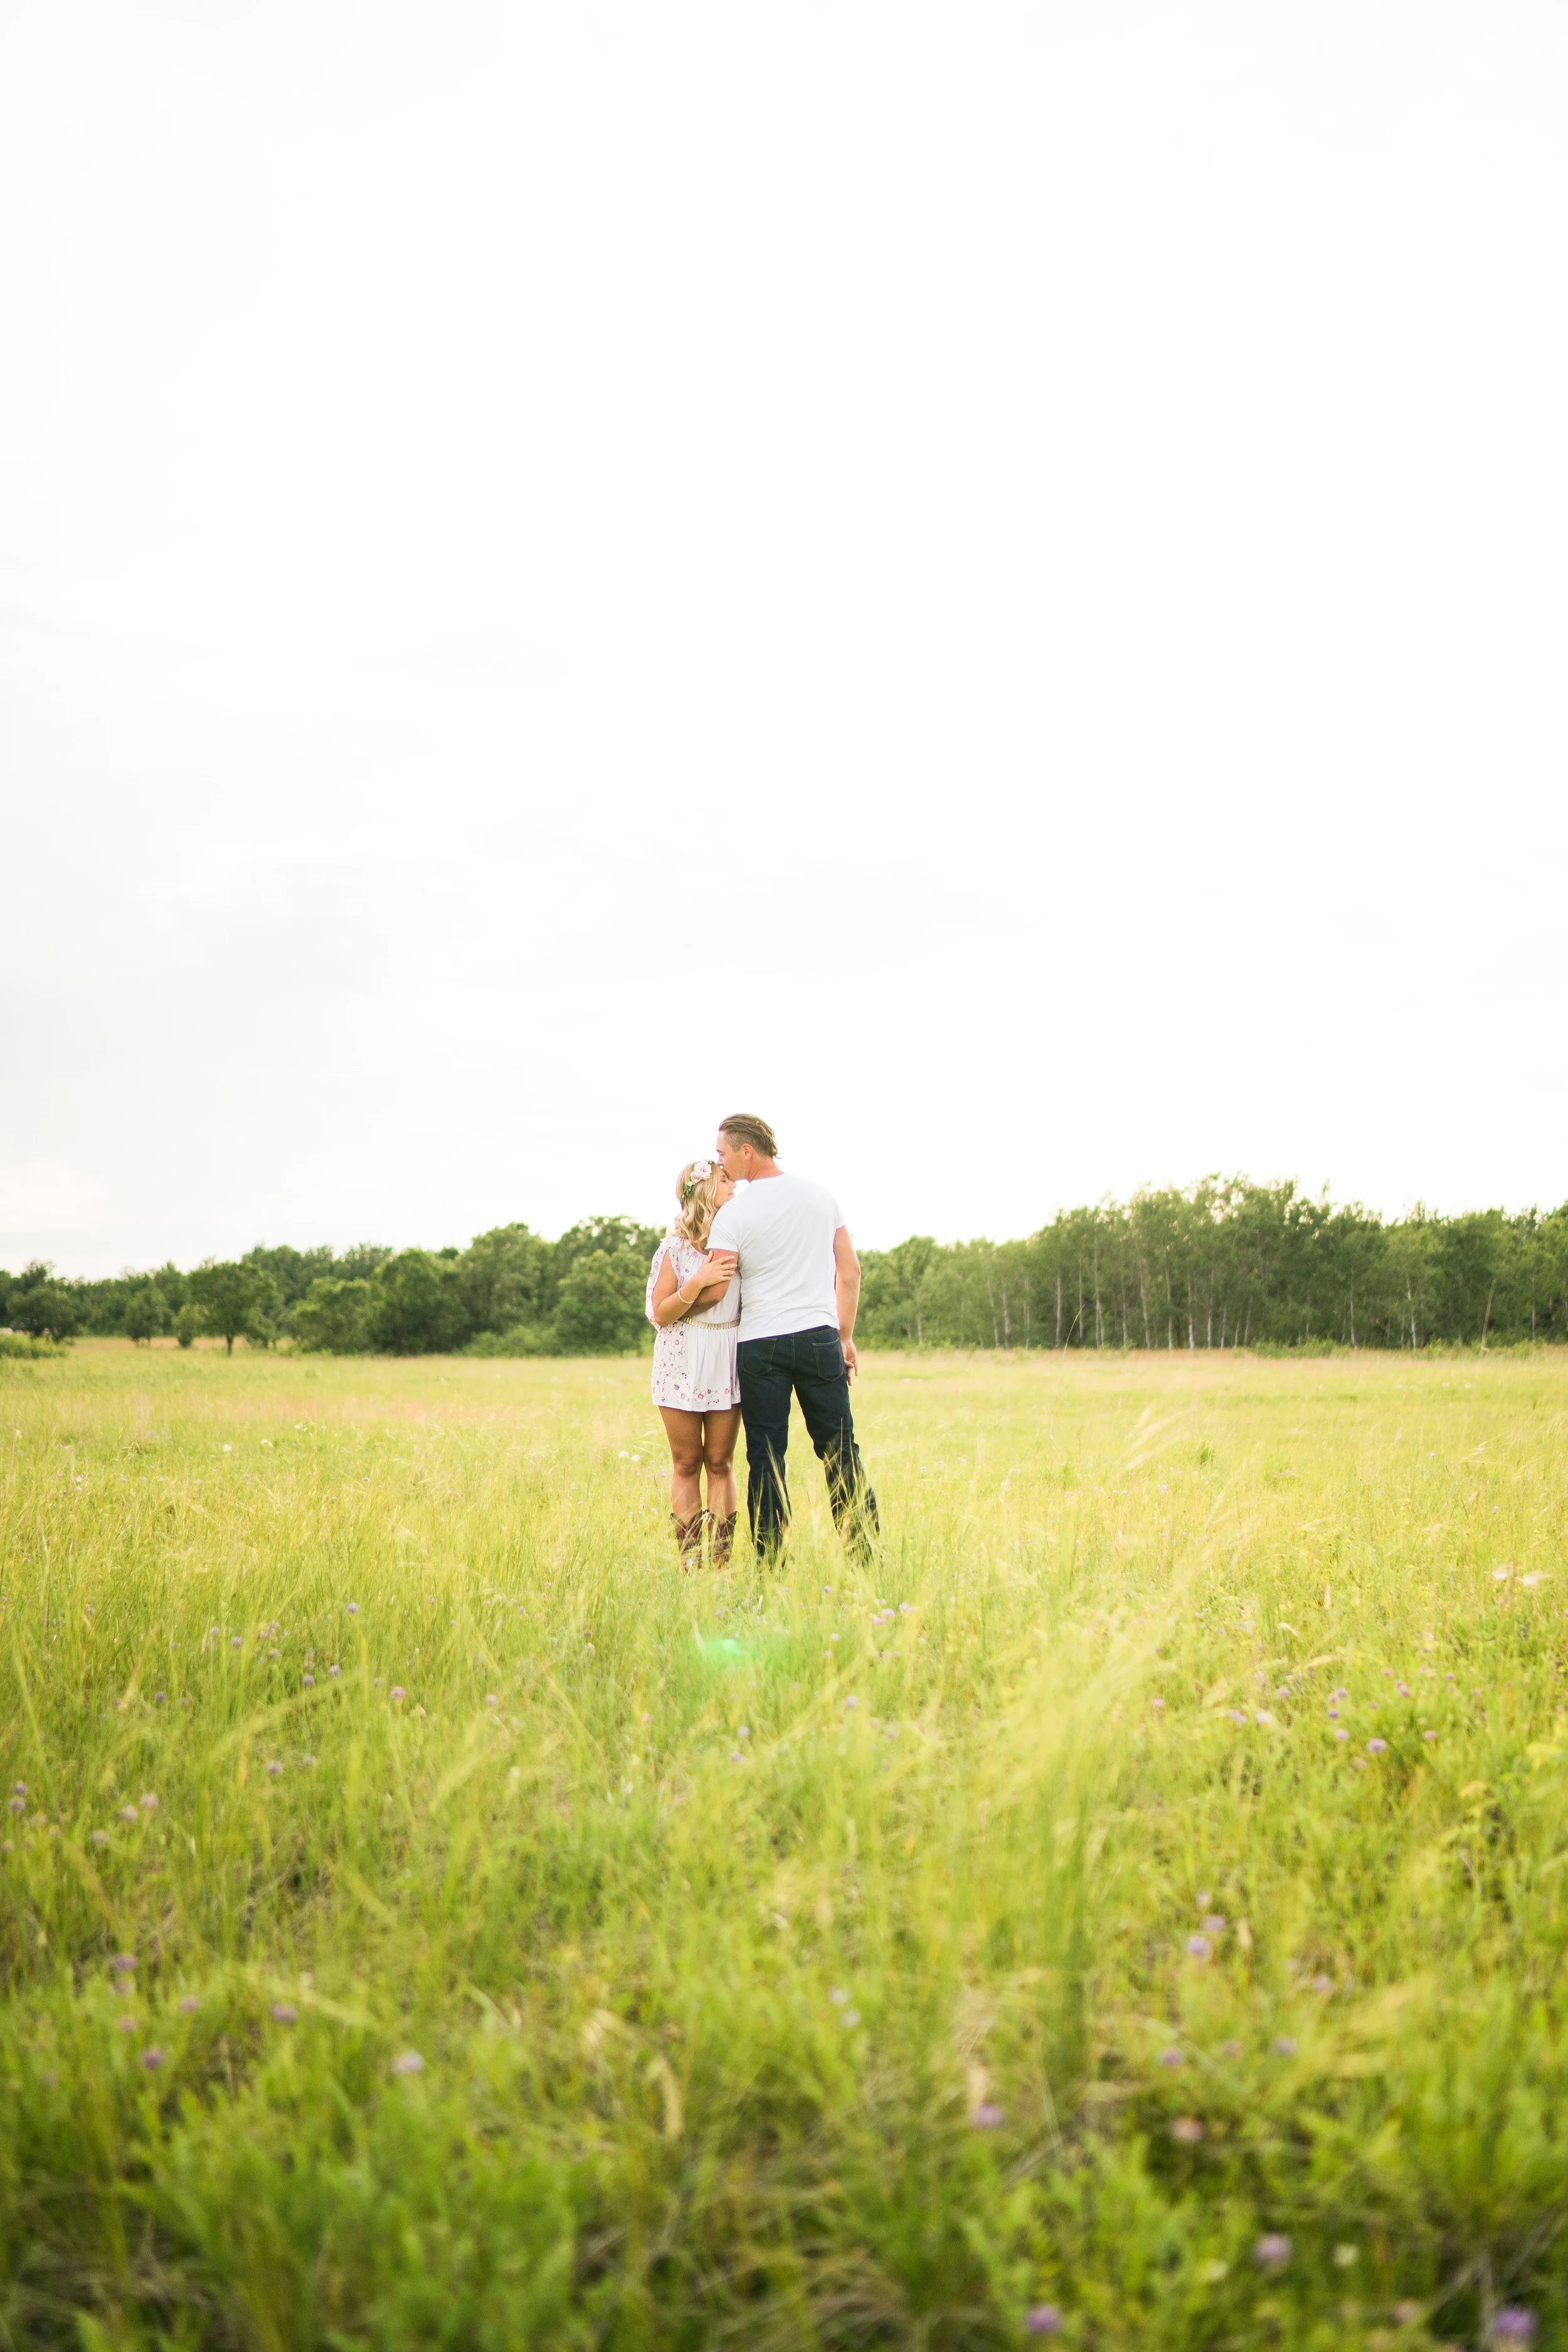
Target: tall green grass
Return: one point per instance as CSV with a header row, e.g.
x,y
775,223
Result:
x,y
427,1919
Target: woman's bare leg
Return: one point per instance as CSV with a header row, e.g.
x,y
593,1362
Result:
x,y
720,1431
684,1430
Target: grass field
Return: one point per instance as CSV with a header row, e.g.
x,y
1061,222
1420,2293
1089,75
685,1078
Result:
x,y
429,1920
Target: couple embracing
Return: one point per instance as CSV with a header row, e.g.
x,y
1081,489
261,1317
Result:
x,y
753,1295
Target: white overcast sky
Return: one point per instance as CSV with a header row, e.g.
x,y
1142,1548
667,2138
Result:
x,y
986,581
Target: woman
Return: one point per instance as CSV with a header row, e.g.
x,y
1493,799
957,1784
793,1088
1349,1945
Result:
x,y
695,1385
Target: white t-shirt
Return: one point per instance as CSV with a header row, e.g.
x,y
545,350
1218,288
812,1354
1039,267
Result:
x,y
781,1229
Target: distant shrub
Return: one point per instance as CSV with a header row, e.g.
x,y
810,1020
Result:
x,y
21,1343
188,1323
522,1339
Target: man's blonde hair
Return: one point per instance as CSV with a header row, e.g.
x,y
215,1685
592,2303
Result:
x,y
744,1127
699,1199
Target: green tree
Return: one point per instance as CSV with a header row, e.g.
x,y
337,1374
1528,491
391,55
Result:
x,y
235,1301
146,1314
600,1308
508,1277
188,1323
331,1319
416,1307
45,1307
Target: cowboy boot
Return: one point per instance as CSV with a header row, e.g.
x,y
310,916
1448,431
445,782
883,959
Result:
x,y
721,1536
688,1540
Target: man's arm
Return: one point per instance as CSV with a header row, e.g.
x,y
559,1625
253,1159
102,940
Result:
x,y
846,1289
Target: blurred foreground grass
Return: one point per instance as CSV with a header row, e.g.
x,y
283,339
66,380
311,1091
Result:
x,y
428,1920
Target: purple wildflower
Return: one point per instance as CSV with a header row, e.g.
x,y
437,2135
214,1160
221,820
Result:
x,y
126,2024
128,1813
1513,2325
1171,2058
1042,2319
309,1681
1159,1707
334,1670
985,2116
1377,1746
1272,2252
148,1802
1197,1947
122,1961
189,2006
1284,2046
1230,2049
1188,2130
152,2059
273,1769
284,2012
407,2062
1213,1924
398,1691
353,1607
1342,1735
1237,1714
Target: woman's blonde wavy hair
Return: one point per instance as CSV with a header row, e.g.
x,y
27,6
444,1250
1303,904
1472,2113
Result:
x,y
698,1201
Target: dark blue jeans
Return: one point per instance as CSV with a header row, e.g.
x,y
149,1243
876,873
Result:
x,y
809,1365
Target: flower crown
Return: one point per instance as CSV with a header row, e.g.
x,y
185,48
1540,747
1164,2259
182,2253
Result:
x,y
701,1171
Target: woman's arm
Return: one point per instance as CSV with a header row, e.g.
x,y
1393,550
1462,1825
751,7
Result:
x,y
669,1299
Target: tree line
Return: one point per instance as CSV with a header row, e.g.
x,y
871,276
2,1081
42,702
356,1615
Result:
x,y
1225,1263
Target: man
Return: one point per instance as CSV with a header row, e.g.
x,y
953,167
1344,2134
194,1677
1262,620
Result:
x,y
800,1287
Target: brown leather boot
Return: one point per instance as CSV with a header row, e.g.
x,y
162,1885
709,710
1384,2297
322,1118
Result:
x,y
688,1540
721,1536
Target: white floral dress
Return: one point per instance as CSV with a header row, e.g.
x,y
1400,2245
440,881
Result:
x,y
694,1360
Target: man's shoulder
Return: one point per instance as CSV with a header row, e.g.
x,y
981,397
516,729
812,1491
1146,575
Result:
x,y
809,1193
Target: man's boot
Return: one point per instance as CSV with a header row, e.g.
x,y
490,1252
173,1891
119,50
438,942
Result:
x,y
689,1539
723,1538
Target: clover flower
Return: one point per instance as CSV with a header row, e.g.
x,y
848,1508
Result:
x,y
1197,1947
1272,2252
1042,2319
152,2059
284,2012
985,2116
1188,2130
1513,2325
408,2061
1377,1746
1284,2046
